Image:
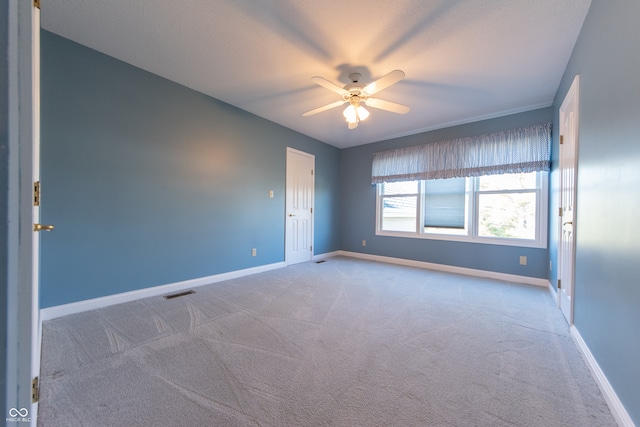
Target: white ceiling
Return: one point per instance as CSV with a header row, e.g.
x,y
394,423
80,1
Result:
x,y
465,60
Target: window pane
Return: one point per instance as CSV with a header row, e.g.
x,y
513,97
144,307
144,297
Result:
x,y
405,187
510,215
445,203
509,181
399,213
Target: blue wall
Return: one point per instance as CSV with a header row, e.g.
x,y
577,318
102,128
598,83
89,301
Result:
x,y
150,183
359,208
607,276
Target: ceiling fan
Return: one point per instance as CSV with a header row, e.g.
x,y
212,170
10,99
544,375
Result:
x,y
356,94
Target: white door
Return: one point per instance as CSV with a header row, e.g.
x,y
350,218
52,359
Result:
x,y
23,331
36,331
568,171
299,206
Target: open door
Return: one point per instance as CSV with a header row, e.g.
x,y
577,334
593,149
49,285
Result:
x,y
36,326
299,206
568,172
23,323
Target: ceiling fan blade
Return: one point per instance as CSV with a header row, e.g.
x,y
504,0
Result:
x,y
384,82
352,125
329,85
387,105
324,108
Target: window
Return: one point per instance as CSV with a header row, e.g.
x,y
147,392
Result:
x,y
399,205
490,188
506,209
507,206
444,203
446,206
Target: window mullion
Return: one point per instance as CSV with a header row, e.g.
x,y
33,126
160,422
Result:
x,y
473,209
420,216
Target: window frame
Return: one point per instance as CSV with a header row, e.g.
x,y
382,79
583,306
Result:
x,y
472,214
380,198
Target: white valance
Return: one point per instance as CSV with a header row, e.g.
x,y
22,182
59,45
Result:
x,y
511,151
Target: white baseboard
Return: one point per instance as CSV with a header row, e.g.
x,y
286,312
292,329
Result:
x,y
553,293
449,269
617,408
91,304
326,255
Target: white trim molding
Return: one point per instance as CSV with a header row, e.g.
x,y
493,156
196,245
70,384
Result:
x,y
449,268
615,405
553,292
326,255
92,304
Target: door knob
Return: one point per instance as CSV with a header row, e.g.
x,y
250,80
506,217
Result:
x,y
40,227
568,223
291,215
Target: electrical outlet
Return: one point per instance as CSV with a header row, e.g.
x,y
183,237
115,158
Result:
x,y
523,260
550,265
253,251
271,194
364,243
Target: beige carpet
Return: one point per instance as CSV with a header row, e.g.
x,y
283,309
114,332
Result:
x,y
341,343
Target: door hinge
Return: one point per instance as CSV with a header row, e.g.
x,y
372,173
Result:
x,y
559,284
311,248
560,211
311,171
561,139
36,193
36,4
35,390
311,210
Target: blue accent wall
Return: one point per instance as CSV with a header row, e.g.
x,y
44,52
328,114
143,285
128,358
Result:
x,y
359,208
607,275
148,182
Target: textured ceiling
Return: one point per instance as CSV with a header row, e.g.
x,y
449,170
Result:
x,y
464,60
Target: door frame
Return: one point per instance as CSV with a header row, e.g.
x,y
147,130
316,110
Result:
x,y
23,327
571,100
286,219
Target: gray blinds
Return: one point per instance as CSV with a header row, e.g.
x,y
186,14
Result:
x,y
444,205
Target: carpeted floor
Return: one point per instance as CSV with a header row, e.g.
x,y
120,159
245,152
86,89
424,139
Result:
x,y
341,343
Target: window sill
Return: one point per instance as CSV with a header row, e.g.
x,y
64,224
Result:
x,y
466,239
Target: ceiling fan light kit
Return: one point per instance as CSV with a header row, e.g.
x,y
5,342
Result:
x,y
355,112
356,94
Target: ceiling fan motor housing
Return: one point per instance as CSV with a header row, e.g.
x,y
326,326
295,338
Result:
x,y
356,94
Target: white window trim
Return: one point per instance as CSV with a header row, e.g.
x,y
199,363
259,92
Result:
x,y
541,218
